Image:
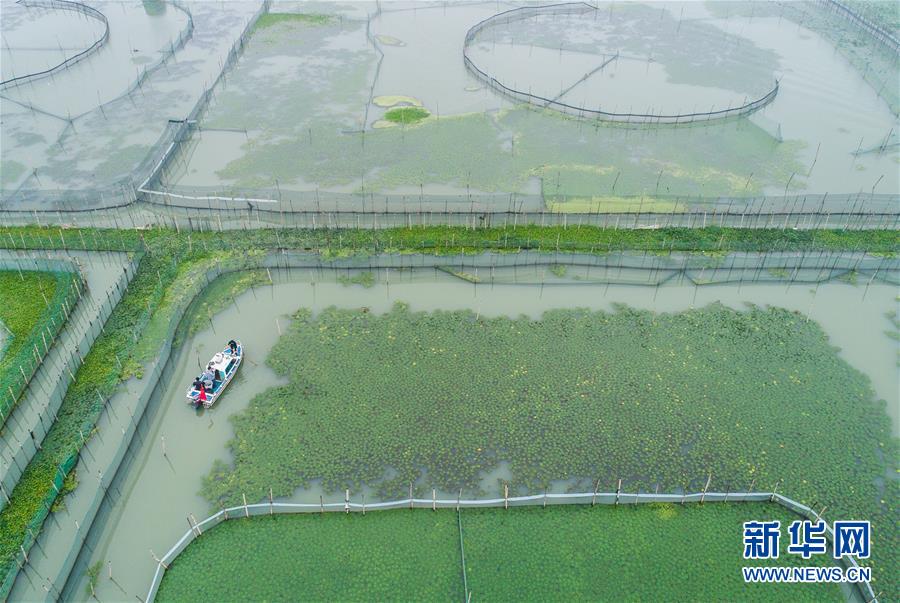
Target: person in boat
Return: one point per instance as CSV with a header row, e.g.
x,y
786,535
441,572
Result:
x,y
207,377
201,389
232,344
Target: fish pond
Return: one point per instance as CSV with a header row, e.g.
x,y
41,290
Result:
x,y
372,381
345,83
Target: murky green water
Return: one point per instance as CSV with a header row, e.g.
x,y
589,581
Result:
x,y
160,491
670,60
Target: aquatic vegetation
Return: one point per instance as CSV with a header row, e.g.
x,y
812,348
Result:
x,y
394,100
656,399
93,574
168,262
573,160
606,554
389,40
33,309
377,557
271,19
406,115
366,279
558,270
598,553
611,205
460,274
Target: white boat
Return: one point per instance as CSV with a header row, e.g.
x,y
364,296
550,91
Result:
x,y
219,372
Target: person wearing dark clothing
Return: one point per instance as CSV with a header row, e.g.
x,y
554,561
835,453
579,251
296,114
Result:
x,y
233,345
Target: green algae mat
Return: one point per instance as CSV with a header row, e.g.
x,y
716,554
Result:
x,y
561,553
442,399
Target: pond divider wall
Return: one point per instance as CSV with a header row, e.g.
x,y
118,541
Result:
x,y
25,427
120,452
578,8
582,498
78,7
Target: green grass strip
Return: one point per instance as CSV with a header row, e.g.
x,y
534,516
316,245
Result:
x,y
562,553
448,240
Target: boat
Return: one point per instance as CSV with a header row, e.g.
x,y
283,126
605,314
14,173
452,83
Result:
x,y
226,363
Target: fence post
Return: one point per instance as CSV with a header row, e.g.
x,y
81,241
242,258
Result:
x,y
505,496
820,513
347,500
271,502
246,509
593,498
158,560
410,495
705,488
618,491
774,491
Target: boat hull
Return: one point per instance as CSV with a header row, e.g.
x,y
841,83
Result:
x,y
228,364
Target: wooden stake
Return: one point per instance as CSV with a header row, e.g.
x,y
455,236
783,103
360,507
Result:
x,y
705,488
158,560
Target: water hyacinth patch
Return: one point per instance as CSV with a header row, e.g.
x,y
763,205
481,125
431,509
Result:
x,y
336,557
616,553
559,553
440,399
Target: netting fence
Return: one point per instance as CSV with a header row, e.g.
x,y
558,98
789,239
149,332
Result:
x,y
616,268
581,8
209,211
54,400
84,9
34,415
434,503
23,367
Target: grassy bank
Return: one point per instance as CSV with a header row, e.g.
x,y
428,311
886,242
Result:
x,y
33,308
458,239
564,553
